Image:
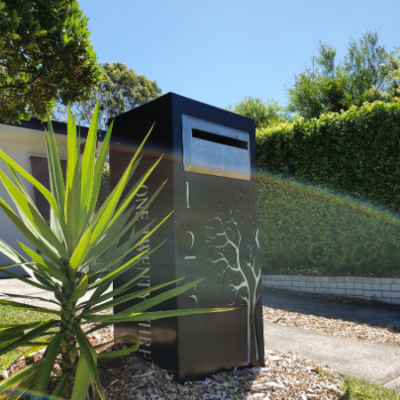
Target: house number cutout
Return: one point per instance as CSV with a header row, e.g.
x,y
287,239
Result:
x,y
188,257
187,194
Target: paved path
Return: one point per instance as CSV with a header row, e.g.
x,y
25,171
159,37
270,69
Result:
x,y
379,363
14,286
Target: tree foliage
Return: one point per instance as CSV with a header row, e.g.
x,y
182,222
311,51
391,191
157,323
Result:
x,y
393,65
45,54
366,69
364,75
321,88
263,114
120,90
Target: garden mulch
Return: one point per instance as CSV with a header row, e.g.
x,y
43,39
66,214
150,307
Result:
x,y
285,376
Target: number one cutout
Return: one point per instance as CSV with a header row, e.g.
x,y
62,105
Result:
x,y
187,194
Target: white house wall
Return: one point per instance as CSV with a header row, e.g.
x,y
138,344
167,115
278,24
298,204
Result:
x,y
19,143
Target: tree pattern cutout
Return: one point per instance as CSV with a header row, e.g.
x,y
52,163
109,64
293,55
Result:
x,y
235,247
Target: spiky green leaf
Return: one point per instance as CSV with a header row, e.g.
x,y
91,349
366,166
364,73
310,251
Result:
x,y
35,239
17,377
153,315
98,169
73,186
87,353
23,306
29,213
80,290
33,334
59,391
45,265
118,354
127,297
47,365
83,379
87,168
46,193
81,251
22,296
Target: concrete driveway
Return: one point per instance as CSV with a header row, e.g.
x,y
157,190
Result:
x,y
379,363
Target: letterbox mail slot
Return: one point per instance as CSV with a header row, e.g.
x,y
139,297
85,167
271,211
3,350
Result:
x,y
214,149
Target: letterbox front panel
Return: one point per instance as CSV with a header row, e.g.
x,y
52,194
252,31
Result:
x,y
217,240
215,149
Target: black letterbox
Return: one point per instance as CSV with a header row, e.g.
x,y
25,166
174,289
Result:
x,y
209,162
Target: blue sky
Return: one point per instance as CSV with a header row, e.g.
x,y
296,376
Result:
x,y
219,51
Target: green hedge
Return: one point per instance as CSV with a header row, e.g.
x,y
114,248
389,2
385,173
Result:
x,y
306,230
357,151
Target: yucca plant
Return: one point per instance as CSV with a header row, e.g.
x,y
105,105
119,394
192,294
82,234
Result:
x,y
58,264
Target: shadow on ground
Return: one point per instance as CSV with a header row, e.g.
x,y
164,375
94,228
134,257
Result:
x,y
367,312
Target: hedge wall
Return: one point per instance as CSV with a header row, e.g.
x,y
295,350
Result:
x,y
306,230
357,151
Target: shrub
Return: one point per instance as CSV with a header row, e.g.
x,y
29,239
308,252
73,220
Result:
x,y
73,239
307,230
355,152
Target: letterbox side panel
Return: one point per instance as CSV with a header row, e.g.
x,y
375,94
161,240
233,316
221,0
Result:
x,y
158,338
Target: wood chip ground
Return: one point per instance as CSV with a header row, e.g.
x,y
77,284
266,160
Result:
x,y
285,376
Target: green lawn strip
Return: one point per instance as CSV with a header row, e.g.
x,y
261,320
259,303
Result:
x,y
10,315
360,389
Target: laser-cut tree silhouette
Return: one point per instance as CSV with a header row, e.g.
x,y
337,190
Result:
x,y
234,242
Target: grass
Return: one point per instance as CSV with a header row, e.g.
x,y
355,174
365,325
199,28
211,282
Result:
x,y
360,389
10,315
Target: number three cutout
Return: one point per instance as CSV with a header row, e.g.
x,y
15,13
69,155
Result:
x,y
187,257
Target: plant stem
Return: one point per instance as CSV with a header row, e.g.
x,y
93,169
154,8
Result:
x,y
68,346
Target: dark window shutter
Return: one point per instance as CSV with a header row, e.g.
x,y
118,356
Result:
x,y
40,171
